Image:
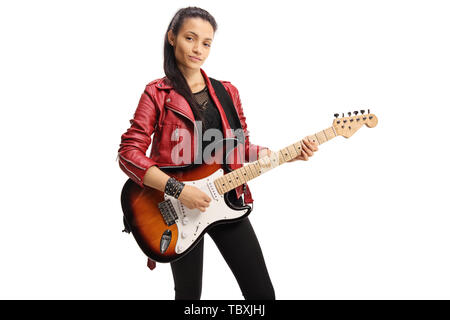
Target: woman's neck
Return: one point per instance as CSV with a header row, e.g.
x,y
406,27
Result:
x,y
194,78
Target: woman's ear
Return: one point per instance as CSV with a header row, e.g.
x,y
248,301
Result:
x,y
170,37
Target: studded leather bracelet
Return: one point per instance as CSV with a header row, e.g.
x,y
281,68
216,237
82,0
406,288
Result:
x,y
173,187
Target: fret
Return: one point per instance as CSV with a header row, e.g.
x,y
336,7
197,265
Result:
x,y
280,157
298,147
257,168
247,174
235,178
325,134
286,154
253,169
293,151
313,138
317,138
228,188
334,132
266,164
290,156
241,176
252,173
274,160
240,179
229,182
260,165
263,162
321,137
223,184
220,185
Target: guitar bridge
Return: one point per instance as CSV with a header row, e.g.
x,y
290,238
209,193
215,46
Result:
x,y
168,212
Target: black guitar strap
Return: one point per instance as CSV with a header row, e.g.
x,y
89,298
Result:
x,y
228,108
233,120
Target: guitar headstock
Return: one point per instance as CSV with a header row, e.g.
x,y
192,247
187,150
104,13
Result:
x,y
347,126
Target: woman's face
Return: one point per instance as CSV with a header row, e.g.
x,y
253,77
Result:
x,y
193,42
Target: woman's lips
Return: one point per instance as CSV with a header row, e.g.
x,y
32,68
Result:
x,y
194,59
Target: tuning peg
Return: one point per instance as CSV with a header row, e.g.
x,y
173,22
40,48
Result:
x,y
343,115
368,110
336,115
349,114
355,112
362,111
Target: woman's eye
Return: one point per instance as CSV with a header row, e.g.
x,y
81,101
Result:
x,y
207,44
188,38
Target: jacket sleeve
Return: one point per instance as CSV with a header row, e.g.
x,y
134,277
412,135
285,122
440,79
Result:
x,y
136,140
251,150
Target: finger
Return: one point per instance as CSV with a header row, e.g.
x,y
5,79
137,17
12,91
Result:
x,y
308,151
205,197
307,145
311,141
304,141
314,141
304,155
314,145
299,157
311,145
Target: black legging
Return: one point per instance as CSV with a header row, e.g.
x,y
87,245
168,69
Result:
x,y
238,244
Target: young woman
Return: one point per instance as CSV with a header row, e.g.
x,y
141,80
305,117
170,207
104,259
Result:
x,y
183,101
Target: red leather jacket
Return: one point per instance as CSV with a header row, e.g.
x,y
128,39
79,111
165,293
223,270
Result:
x,y
160,111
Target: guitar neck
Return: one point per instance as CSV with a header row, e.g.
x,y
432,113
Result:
x,y
254,169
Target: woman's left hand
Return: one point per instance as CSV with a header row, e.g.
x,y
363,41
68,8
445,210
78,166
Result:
x,y
308,149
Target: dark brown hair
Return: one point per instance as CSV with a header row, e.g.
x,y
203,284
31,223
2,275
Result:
x,y
173,73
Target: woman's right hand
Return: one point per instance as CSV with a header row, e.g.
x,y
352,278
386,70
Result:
x,y
194,198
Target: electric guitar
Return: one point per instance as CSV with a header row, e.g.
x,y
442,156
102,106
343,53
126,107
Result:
x,y
166,230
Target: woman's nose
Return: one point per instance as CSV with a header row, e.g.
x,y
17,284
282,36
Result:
x,y
196,47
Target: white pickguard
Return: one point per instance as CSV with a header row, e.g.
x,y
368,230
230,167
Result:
x,y
192,222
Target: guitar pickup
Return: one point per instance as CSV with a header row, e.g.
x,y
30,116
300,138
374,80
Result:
x,y
168,212
212,190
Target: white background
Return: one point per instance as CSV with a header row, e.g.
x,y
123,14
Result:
x,y
364,218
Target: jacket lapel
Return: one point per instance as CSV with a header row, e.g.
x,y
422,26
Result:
x,y
177,102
